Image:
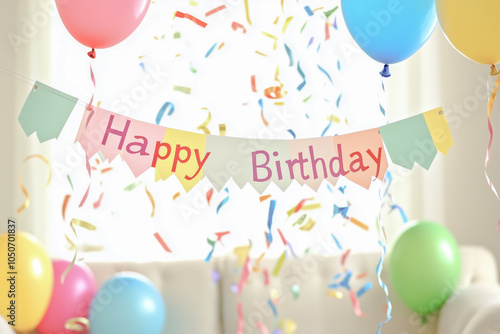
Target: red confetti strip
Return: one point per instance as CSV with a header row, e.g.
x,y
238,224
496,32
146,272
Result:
x,y
105,170
264,197
301,204
220,235
327,31
215,10
97,204
241,322
244,275
355,304
209,195
266,123
254,86
344,257
262,327
266,276
162,242
282,237
236,25
65,204
190,17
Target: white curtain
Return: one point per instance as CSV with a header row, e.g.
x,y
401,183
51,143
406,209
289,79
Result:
x,y
25,45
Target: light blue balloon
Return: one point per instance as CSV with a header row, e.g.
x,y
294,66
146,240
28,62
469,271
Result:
x,y
128,303
390,31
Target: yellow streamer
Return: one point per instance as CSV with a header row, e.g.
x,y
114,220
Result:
x,y
247,12
309,225
152,201
78,324
279,264
222,129
287,22
275,39
203,125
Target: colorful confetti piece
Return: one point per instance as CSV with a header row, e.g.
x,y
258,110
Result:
x,y
209,195
162,242
166,106
223,202
210,50
185,90
279,264
301,73
236,25
150,196
215,10
190,17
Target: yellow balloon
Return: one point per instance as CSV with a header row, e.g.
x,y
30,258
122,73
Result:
x,y
27,280
472,27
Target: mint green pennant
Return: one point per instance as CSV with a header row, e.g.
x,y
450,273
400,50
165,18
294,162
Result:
x,y
409,141
45,112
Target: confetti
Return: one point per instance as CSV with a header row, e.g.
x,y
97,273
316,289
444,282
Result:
x,y
287,22
300,220
193,3
344,257
331,11
264,197
215,10
215,276
97,203
288,326
310,207
220,235
203,126
166,106
132,186
224,201
299,87
107,169
241,322
176,195
70,182
142,66
355,304
247,13
242,253
152,200
292,133
308,11
221,45
65,204
261,54
327,31
26,203
327,75
254,87
340,210
272,206
266,276
247,269
212,244
326,129
335,294
236,25
308,226
364,289
295,291
303,27
274,38
273,92
290,55
276,20
185,90
78,324
279,264
261,103
363,275
305,100
190,17
263,329
273,308
282,237
192,69
209,195
333,118
358,223
177,35
311,40
336,241
342,189
162,242
210,50
298,207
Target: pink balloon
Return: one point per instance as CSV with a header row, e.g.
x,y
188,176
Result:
x,y
101,24
69,300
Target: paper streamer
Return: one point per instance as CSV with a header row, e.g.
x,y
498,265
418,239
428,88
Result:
x,y
150,196
247,269
355,304
364,289
162,242
215,10
166,106
236,25
247,13
241,322
26,203
326,73
279,264
210,50
336,241
290,55
203,126
272,206
190,17
301,73
223,202
287,22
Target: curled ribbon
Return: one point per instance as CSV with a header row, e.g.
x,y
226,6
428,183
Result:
x,y
491,101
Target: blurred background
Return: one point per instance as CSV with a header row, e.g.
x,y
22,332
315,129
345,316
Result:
x,y
138,76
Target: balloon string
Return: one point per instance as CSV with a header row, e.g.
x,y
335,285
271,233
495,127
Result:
x,y
92,55
382,98
383,242
491,101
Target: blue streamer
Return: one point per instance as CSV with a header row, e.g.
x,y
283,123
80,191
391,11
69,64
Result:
x,y
338,100
292,133
299,87
326,73
344,283
308,11
210,50
338,65
272,206
326,129
364,289
336,241
342,189
261,104
273,307
401,212
290,55
167,105
224,201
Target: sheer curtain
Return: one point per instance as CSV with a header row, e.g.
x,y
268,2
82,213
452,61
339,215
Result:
x,y
25,29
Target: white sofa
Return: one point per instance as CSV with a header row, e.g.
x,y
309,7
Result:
x,y
197,305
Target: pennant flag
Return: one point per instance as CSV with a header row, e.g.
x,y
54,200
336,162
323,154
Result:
x,y
439,129
45,112
181,153
409,141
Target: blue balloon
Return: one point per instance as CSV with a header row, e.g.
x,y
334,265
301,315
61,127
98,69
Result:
x,y
390,31
128,303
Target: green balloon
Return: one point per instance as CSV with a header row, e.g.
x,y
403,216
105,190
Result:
x,y
424,266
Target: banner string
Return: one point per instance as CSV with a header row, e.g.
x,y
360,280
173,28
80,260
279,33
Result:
x,y
491,101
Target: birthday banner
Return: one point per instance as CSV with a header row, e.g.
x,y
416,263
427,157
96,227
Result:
x,y
359,156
